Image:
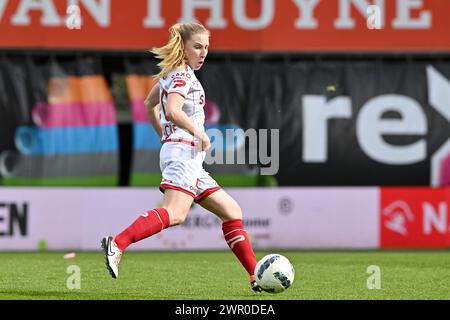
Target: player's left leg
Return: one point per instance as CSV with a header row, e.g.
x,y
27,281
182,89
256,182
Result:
x,y
228,210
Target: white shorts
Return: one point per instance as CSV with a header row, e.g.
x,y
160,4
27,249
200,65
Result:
x,y
182,169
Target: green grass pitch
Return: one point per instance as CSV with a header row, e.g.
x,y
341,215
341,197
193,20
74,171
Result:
x,y
218,275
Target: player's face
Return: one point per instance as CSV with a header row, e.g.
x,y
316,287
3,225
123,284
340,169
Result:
x,y
197,50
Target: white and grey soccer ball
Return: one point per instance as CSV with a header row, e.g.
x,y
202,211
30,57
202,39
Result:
x,y
274,273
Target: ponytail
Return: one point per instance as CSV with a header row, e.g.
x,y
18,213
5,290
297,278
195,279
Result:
x,y
173,54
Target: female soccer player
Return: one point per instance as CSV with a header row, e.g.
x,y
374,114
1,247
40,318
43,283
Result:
x,y
175,109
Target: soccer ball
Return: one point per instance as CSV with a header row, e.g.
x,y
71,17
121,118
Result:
x,y
274,273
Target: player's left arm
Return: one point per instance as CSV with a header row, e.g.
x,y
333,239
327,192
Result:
x,y
153,109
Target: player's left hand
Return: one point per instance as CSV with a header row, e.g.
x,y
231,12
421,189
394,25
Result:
x,y
206,143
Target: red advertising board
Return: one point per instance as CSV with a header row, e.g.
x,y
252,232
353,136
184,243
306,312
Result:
x,y
236,25
414,218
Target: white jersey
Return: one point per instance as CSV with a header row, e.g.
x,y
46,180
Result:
x,y
181,165
185,83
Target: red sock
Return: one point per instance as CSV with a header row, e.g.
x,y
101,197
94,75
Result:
x,y
147,224
237,240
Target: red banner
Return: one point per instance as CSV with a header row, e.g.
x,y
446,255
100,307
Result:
x,y
414,218
236,25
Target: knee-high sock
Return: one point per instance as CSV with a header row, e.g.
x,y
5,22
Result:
x,y
149,223
237,239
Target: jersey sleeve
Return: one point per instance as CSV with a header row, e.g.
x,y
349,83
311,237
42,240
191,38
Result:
x,y
180,82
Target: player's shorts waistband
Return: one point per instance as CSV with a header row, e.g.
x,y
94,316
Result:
x,y
188,142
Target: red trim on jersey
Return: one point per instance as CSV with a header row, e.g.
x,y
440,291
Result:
x,y
163,94
181,94
202,196
191,143
164,186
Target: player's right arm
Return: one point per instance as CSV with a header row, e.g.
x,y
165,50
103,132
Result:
x,y
153,109
175,114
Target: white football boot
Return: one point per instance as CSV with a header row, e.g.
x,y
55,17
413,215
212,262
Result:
x,y
112,256
255,287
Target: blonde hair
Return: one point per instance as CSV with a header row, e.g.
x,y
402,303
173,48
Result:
x,y
172,54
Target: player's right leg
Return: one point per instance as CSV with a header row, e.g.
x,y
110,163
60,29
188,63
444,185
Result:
x,y
228,210
175,208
